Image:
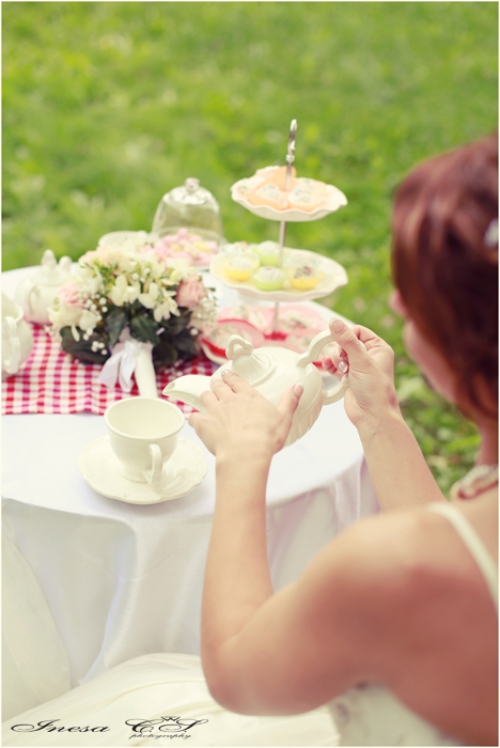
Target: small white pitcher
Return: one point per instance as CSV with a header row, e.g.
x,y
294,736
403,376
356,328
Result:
x,y
17,338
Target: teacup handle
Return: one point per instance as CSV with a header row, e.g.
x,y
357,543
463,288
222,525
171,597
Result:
x,y
332,394
154,475
12,364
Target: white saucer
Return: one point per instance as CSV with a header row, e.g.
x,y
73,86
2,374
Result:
x,y
101,469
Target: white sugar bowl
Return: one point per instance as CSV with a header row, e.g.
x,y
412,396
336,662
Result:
x,y
36,293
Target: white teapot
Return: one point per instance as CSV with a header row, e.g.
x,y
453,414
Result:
x,y
17,338
271,370
37,293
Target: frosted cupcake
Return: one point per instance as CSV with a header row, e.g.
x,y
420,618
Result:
x,y
307,194
304,277
237,249
240,267
268,194
268,278
269,253
296,258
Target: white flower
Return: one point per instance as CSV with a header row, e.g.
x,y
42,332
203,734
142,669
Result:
x,y
147,301
63,315
123,292
180,269
126,263
204,314
157,269
88,281
130,244
88,320
84,273
149,298
165,309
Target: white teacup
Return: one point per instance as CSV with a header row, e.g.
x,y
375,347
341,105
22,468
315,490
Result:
x,y
143,433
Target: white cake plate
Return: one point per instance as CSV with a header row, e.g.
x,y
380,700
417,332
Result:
x,y
335,199
334,276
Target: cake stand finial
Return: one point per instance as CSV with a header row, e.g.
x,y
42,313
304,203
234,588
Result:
x,y
290,156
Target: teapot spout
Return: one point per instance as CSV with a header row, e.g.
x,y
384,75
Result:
x,y
188,389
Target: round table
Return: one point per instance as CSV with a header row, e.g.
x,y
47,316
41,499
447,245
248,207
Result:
x,y
120,579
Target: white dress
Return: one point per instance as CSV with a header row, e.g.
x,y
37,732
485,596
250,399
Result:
x,y
166,693
163,699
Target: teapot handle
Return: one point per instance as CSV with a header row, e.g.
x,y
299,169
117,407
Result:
x,y
26,301
332,394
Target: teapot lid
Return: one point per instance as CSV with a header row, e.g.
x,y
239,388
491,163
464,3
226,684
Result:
x,y
50,273
253,367
189,206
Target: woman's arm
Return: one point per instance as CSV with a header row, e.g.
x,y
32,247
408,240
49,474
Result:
x,y
237,544
244,431
266,653
399,472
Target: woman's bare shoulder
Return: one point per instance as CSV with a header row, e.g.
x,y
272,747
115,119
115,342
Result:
x,y
376,572
407,544
377,549
405,574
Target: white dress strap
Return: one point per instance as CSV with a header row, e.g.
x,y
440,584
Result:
x,y
475,545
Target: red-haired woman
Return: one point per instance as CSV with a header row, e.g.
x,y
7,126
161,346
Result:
x,y
395,622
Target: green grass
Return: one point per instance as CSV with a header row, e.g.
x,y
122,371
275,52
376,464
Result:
x,y
107,106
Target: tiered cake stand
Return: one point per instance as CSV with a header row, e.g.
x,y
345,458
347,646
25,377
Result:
x,y
333,275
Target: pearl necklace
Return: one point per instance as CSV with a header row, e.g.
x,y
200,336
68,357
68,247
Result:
x,y
478,480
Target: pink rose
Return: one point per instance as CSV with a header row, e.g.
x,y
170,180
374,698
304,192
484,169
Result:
x,y
190,292
70,295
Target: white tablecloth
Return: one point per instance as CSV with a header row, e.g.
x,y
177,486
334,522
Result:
x,y
121,580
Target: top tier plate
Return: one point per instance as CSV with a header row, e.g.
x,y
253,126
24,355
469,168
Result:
x,y
334,200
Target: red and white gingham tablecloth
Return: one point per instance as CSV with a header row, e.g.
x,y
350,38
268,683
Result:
x,y
51,381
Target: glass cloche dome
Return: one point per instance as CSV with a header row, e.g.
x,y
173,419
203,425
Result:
x,y
189,206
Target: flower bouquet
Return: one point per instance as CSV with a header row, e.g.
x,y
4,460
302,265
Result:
x,y
132,292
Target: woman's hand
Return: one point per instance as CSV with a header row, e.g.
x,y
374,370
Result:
x,y
368,363
241,423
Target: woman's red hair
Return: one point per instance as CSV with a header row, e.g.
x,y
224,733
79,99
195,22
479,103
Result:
x,y
445,262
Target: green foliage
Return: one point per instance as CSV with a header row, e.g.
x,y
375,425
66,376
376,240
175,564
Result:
x,y
114,324
143,328
108,105
164,353
176,341
81,348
